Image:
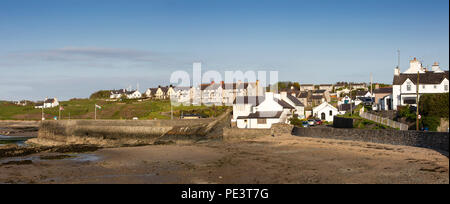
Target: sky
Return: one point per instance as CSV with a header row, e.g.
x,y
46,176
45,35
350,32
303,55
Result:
x,y
72,48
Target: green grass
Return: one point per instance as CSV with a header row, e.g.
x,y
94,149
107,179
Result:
x,y
127,109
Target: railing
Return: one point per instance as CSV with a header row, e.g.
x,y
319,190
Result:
x,y
384,121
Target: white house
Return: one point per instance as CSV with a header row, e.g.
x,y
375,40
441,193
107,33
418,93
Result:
x,y
261,112
307,87
48,103
405,84
182,94
325,112
115,94
134,94
150,92
297,104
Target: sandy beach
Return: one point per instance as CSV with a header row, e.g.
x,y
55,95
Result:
x,y
283,159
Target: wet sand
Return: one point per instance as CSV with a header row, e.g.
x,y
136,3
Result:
x,y
284,159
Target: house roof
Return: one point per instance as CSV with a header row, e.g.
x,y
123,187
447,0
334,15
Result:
x,y
50,100
424,78
303,94
326,85
383,90
120,91
317,97
182,88
361,93
319,91
254,100
262,115
164,89
295,100
284,104
153,90
213,86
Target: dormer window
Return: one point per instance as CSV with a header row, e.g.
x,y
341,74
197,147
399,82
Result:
x,y
408,86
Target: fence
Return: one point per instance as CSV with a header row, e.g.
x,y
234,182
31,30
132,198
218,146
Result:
x,y
384,121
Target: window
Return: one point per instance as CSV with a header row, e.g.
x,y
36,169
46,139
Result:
x,y
408,87
435,87
262,121
322,116
331,113
423,86
446,87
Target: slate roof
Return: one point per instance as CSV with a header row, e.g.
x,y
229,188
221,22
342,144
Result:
x,y
262,115
303,95
50,100
295,100
284,104
424,78
254,100
383,90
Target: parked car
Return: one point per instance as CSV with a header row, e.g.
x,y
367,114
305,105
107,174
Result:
x,y
311,122
319,122
305,124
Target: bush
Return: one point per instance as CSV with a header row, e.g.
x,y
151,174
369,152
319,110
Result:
x,y
434,105
431,122
296,122
100,94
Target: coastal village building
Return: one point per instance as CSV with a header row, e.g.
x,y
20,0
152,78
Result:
x,y
326,87
48,103
258,112
405,84
325,112
382,99
307,87
132,94
297,104
226,93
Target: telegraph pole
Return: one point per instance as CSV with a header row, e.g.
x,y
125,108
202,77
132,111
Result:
x,y
417,102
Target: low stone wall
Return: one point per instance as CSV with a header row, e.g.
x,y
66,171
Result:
x,y
122,131
18,123
432,140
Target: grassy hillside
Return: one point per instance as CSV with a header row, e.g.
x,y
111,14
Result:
x,y
84,109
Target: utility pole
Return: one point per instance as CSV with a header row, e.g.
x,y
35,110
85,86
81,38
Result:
x,y
95,112
351,105
417,102
59,115
42,117
171,111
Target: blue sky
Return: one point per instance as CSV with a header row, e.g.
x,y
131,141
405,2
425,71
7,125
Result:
x,y
72,48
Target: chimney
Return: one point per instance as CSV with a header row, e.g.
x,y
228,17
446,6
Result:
x,y
269,96
436,68
283,94
396,71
